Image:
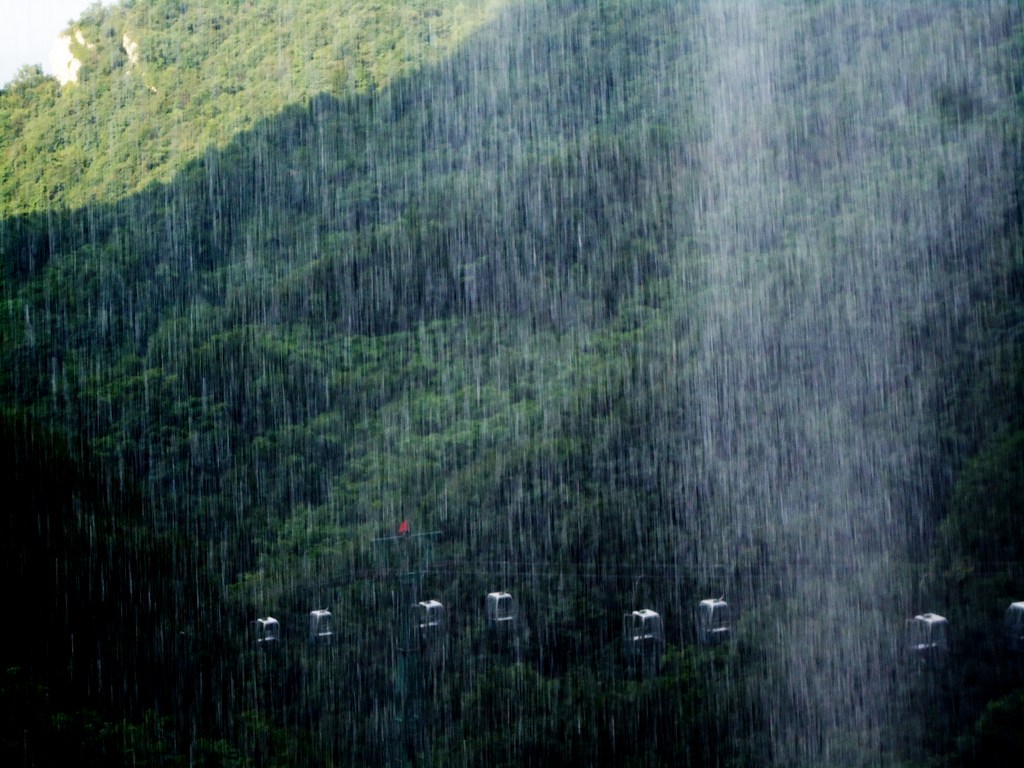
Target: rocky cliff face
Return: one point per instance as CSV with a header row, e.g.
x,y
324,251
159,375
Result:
x,y
63,62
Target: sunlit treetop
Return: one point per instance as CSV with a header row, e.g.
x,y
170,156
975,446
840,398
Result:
x,y
156,83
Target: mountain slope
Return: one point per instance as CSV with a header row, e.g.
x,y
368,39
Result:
x,y
160,82
585,294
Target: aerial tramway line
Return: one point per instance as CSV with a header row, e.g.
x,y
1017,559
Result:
x,y
422,622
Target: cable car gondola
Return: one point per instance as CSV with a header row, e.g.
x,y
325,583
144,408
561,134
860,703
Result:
x,y
268,633
321,627
928,639
430,619
643,635
502,612
1013,627
714,621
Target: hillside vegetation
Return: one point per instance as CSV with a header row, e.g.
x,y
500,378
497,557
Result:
x,y
162,81
304,270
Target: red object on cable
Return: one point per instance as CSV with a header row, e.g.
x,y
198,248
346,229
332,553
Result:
x,y
404,527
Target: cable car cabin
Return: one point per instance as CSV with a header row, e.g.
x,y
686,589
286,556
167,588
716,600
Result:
x,y
714,621
1013,627
430,619
321,627
643,634
268,633
502,612
928,639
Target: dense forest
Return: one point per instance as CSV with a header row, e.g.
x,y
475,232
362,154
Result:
x,y
618,304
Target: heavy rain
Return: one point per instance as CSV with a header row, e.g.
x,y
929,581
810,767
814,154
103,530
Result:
x,y
516,382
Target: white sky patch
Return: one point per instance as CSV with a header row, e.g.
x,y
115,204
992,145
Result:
x,y
28,30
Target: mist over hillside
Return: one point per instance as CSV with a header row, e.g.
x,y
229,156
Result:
x,y
627,304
